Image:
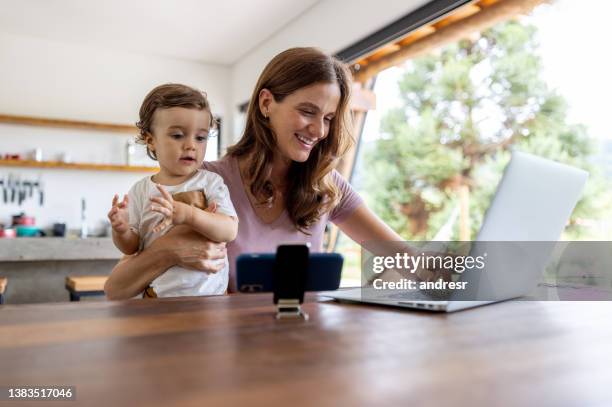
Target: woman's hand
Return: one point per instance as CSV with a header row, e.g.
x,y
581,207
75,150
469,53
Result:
x,y
181,246
434,274
193,251
378,238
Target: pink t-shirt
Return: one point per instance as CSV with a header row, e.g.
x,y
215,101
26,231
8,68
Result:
x,y
256,236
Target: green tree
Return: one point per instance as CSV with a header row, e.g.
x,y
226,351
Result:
x,y
464,106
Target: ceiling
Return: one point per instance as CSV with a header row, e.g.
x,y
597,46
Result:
x,y
212,31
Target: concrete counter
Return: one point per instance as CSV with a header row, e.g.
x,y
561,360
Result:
x,y
36,268
57,249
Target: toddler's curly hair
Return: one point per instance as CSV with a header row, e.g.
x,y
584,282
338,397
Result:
x,y
164,97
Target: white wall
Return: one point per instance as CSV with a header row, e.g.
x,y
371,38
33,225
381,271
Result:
x,y
330,24
52,79
57,80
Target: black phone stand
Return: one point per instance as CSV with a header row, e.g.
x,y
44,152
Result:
x,y
289,280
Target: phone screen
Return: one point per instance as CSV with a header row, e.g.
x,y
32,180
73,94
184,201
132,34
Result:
x,y
290,272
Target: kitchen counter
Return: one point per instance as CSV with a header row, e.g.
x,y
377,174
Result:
x,y
58,249
37,267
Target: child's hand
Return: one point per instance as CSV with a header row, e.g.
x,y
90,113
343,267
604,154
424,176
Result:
x,y
212,207
174,212
118,215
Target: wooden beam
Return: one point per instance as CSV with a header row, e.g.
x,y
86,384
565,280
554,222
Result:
x,y
345,167
487,3
484,19
417,35
464,213
460,14
386,50
362,100
74,124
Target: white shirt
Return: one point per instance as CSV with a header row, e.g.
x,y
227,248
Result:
x,y
177,281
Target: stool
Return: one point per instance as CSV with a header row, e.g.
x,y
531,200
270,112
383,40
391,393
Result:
x,y
79,286
3,281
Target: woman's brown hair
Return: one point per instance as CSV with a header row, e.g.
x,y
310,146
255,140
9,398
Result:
x,y
165,97
311,191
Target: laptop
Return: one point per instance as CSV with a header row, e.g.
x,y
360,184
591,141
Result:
x,y
533,202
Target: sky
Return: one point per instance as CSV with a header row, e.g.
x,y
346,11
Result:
x,y
573,37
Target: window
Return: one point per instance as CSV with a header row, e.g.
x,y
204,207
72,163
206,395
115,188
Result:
x,y
213,146
432,152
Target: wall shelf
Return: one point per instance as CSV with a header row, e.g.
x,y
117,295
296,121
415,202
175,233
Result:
x,y
73,124
75,166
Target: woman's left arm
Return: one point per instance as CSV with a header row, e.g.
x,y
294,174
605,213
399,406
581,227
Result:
x,y
374,235
364,226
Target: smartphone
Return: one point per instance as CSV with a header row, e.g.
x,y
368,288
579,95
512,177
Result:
x,y
290,271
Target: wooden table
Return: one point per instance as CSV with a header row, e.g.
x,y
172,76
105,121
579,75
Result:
x,y
231,350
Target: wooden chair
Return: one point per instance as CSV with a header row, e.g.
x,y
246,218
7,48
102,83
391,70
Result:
x,y
3,282
79,286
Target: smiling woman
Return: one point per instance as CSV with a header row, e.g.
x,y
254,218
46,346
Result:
x,y
297,128
304,122
281,175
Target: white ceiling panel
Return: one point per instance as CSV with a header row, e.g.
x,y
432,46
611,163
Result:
x,y
219,31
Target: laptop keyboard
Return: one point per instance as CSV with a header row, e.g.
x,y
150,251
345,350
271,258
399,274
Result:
x,y
430,295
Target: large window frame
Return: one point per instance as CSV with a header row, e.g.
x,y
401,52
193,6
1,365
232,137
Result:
x,y
429,27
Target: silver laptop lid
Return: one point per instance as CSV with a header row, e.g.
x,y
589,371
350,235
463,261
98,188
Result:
x,y
534,200
531,207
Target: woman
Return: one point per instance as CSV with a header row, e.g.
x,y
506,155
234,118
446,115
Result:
x,y
280,175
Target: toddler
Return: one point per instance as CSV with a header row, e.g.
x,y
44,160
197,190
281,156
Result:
x,y
175,123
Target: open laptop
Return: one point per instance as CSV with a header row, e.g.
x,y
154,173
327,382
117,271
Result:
x,y
533,202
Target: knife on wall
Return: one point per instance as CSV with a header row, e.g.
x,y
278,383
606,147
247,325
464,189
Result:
x,y
41,193
3,189
11,184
